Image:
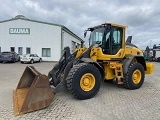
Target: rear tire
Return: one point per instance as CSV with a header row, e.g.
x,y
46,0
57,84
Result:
x,y
40,60
22,62
84,81
14,60
134,78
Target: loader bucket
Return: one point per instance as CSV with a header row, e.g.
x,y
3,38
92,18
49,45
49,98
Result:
x,y
32,93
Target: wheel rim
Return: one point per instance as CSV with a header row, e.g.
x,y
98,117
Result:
x,y
87,81
136,77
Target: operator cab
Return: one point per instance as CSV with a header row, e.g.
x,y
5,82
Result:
x,y
108,36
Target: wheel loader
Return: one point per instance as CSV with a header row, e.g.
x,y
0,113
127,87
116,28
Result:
x,y
109,57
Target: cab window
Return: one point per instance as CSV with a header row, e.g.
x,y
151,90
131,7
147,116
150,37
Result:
x,y
117,40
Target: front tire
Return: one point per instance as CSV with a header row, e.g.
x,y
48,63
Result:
x,y
32,61
134,78
84,81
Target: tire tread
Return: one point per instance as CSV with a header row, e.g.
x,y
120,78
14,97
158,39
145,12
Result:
x,y
126,76
70,78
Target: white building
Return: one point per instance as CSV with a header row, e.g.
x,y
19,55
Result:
x,y
47,40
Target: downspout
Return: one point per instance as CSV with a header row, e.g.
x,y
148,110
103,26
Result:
x,y
61,39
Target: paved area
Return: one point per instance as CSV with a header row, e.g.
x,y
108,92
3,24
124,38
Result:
x,y
111,103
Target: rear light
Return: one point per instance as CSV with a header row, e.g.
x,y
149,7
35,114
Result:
x,y
11,55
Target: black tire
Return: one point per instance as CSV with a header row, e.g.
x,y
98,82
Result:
x,y
14,60
22,62
75,76
131,84
40,60
32,61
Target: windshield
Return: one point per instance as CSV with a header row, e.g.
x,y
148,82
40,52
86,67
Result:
x,y
96,36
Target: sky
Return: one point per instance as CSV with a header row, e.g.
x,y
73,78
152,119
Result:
x,y
141,16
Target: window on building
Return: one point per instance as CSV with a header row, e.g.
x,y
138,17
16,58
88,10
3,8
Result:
x,y
46,52
73,46
20,50
78,45
28,50
12,49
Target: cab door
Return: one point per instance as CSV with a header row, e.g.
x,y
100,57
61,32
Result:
x,y
112,41
117,40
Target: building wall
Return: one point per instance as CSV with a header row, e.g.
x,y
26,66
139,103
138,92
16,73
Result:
x,y
41,36
68,40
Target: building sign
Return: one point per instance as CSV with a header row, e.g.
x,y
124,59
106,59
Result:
x,y
19,30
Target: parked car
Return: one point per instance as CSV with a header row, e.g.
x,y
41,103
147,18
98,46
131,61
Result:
x,y
30,58
9,57
158,59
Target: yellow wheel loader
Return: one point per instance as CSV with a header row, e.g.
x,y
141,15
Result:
x,y
108,57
